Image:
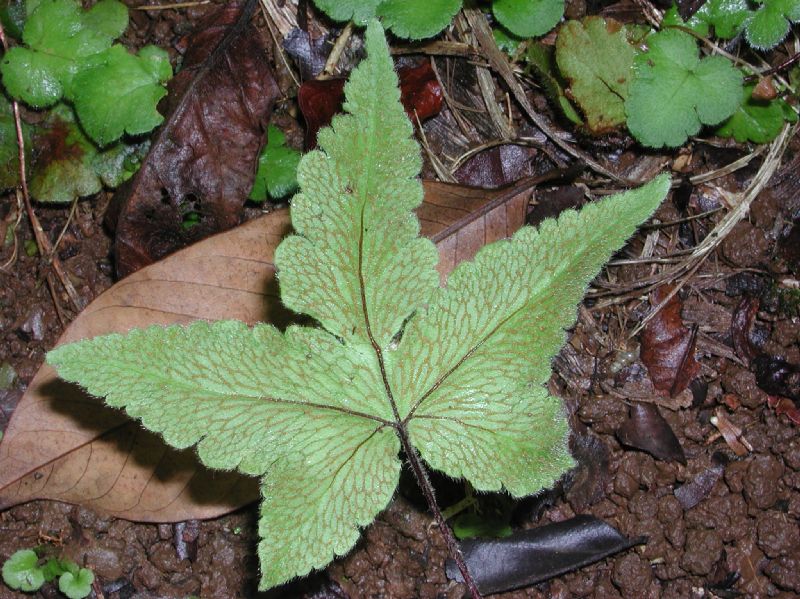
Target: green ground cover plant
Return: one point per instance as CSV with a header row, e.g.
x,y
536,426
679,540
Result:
x,y
419,19
28,570
396,363
93,96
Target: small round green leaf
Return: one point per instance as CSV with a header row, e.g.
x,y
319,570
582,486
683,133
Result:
x,y
675,92
528,18
359,11
76,586
22,572
417,19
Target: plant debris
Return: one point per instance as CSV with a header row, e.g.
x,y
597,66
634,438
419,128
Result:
x,y
530,556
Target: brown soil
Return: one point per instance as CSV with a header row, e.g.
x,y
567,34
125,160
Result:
x,y
741,537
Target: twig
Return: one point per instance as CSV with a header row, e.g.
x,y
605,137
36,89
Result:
x,y
269,21
338,48
684,271
45,248
427,490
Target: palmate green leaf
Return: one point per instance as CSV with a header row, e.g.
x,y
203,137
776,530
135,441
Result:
x,y
116,92
276,176
76,585
770,23
675,92
417,19
365,259
22,572
68,54
528,18
58,36
319,413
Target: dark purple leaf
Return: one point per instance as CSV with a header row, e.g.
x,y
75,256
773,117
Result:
x,y
668,346
789,248
320,100
695,491
741,325
308,54
203,158
776,376
647,430
496,166
531,556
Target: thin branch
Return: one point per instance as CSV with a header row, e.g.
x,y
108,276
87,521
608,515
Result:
x,y
424,481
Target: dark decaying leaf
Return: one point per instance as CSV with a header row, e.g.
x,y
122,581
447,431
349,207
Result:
x,y
320,100
309,54
530,556
686,8
777,376
647,430
696,490
741,325
496,166
586,484
668,346
204,156
789,248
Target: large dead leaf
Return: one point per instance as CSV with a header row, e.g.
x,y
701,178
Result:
x,y
203,158
62,444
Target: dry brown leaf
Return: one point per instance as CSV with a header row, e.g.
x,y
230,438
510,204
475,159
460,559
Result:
x,y
62,444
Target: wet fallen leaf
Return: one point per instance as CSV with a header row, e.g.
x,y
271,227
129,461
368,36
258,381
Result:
x,y
741,324
204,156
62,444
319,100
308,53
530,556
695,491
586,484
777,376
668,346
496,166
647,430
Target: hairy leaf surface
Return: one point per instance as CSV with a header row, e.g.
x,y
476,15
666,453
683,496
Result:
x,y
319,413
675,92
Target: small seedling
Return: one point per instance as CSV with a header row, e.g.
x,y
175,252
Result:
x,y
453,376
27,570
